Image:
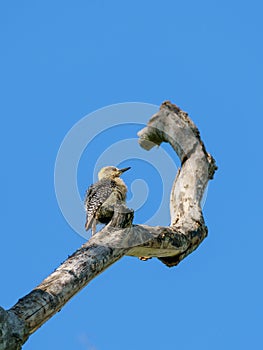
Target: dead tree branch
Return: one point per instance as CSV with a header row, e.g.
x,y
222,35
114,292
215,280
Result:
x,y
169,243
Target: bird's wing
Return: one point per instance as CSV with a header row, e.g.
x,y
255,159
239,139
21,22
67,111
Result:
x,y
96,195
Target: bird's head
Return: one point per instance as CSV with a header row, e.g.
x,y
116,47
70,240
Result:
x,y
111,172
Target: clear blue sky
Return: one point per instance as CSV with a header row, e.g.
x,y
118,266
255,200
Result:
x,y
61,60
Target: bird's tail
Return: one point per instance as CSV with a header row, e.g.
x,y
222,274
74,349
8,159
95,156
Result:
x,y
91,223
88,224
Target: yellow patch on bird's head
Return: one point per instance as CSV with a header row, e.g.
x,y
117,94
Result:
x,y
111,172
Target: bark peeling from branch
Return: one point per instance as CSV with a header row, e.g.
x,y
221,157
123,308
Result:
x,y
170,244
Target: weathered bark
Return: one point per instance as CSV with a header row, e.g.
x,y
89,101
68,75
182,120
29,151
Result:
x,y
172,125
170,244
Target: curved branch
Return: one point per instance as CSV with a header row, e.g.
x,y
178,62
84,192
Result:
x,y
174,126
170,244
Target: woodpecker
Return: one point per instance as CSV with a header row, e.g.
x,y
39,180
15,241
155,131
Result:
x,y
103,195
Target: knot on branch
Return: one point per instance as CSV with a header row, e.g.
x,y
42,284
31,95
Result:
x,y
212,166
122,217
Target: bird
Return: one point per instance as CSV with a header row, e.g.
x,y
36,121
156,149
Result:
x,y
102,196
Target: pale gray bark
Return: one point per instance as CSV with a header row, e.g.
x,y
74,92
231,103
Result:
x,y
170,244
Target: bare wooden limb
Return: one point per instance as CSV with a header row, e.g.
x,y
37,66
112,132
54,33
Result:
x,y
170,244
172,125
31,311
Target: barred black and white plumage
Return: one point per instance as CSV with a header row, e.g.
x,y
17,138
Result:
x,y
103,195
96,195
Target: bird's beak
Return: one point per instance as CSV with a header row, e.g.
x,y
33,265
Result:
x,y
124,169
